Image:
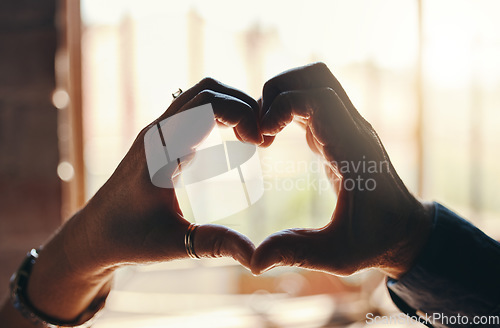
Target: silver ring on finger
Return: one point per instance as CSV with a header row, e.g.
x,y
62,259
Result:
x,y
189,241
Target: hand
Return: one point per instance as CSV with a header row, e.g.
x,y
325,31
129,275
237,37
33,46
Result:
x,y
131,221
377,222
139,222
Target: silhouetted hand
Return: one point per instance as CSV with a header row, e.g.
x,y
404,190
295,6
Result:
x,y
140,221
130,220
377,222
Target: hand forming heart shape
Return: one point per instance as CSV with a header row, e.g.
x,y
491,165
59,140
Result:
x,y
381,225
130,220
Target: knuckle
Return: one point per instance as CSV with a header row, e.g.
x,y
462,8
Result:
x,y
320,66
219,244
217,248
268,86
295,252
208,83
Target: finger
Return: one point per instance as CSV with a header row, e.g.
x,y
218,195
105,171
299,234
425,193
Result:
x,y
237,135
292,247
230,111
311,76
213,85
305,106
268,140
234,130
335,132
180,134
316,75
259,103
214,241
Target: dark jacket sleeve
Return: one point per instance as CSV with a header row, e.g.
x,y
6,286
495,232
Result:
x,y
455,281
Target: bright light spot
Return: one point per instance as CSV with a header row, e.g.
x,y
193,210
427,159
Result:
x,y
65,171
448,63
60,99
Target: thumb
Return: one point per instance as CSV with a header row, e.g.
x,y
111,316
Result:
x,y
291,247
213,241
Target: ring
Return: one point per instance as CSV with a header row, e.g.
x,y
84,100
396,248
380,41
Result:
x,y
189,241
177,93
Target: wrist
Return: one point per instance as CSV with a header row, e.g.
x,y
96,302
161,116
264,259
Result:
x,y
32,315
416,234
83,246
66,277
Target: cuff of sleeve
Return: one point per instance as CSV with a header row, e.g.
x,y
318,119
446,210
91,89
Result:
x,y
456,273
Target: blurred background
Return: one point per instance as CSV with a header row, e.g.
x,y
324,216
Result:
x,y
80,79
